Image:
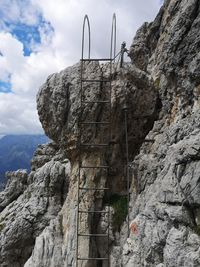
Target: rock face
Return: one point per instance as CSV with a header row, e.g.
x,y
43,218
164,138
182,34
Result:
x,y
29,202
162,88
142,98
165,207
16,184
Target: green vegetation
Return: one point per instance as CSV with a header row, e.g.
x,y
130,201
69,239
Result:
x,y
119,204
29,194
2,225
157,83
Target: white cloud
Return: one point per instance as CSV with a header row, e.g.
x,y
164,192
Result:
x,y
18,115
18,110
27,72
19,11
12,51
57,49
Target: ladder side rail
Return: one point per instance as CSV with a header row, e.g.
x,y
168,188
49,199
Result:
x,y
86,22
79,169
127,166
113,38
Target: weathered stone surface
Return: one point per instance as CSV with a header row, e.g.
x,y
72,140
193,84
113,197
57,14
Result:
x,y
16,184
163,83
43,154
167,177
166,185
141,98
59,102
30,209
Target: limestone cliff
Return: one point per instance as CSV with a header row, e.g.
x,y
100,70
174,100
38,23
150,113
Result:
x,y
162,88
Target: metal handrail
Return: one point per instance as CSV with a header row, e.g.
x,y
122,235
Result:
x,y
86,19
113,38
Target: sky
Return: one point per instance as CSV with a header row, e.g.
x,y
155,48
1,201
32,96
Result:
x,y
40,37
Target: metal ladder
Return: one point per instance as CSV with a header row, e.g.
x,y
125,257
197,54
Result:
x,y
89,147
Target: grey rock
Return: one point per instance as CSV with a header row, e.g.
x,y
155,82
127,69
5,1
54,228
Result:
x,y
165,185
16,184
162,82
43,154
141,97
24,218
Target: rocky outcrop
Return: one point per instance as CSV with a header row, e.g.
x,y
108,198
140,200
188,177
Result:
x,y
16,184
166,210
161,88
140,94
29,203
165,206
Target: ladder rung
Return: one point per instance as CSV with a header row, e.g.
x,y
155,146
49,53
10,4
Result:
x,y
97,101
144,140
96,59
96,259
141,116
149,140
94,167
93,211
95,145
94,235
94,122
95,81
91,188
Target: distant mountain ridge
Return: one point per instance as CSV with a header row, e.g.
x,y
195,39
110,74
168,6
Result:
x,y
16,152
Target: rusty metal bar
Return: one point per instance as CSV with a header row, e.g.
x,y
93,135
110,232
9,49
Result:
x,y
93,211
96,259
90,188
94,122
95,167
93,235
97,101
96,81
127,163
94,145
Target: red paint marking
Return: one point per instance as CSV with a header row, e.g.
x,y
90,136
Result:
x,y
134,228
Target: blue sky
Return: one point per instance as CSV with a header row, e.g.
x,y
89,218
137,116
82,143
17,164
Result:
x,y
5,87
38,37
27,35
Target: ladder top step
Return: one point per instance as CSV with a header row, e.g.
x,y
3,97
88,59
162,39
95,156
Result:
x,y
95,145
141,116
95,81
92,188
94,122
94,235
97,59
95,167
96,259
144,140
149,140
93,211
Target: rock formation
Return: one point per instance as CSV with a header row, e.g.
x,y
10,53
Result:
x,y
162,89
30,202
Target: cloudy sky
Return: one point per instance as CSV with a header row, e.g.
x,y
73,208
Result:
x,y
39,37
